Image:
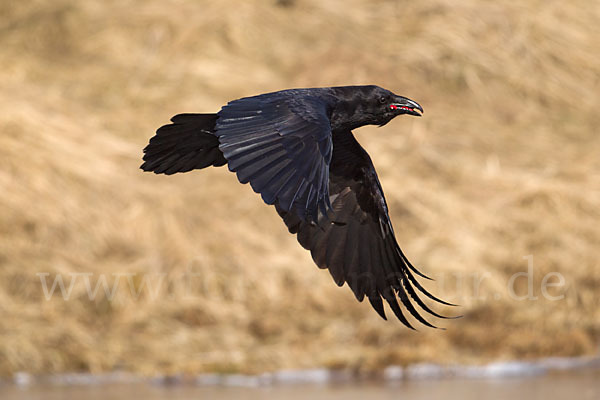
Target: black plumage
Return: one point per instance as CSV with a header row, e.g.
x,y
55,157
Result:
x,y
296,148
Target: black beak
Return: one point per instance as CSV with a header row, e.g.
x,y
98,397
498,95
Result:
x,y
407,106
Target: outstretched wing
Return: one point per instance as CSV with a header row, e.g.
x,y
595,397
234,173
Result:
x,y
282,145
357,243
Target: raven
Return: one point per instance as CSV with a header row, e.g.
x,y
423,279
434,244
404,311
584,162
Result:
x,y
296,148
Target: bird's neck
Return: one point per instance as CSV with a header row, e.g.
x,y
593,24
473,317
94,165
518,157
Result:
x,y
348,114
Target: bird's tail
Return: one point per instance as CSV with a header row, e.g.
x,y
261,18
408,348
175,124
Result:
x,y
186,144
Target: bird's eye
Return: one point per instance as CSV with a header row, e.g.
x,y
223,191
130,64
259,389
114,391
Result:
x,y
382,99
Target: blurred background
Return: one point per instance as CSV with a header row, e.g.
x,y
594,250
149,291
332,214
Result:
x,y
495,192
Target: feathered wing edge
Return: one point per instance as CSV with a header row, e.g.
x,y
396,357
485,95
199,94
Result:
x,y
356,241
372,268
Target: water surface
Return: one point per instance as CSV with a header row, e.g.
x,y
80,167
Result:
x,y
582,385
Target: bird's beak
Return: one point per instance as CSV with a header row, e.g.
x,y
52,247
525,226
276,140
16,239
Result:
x,y
407,106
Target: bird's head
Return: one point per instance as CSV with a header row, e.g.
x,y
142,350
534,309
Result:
x,y
373,105
390,105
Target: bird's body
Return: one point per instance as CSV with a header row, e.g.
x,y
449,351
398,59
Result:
x,y
296,148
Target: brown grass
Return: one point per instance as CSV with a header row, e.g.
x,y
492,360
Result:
x,y
503,165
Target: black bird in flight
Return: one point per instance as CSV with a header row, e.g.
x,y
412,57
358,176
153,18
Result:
x,y
296,148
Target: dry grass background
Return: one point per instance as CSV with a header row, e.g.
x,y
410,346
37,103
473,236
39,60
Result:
x,y
504,164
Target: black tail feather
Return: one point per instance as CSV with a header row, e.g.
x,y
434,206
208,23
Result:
x,y
186,144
